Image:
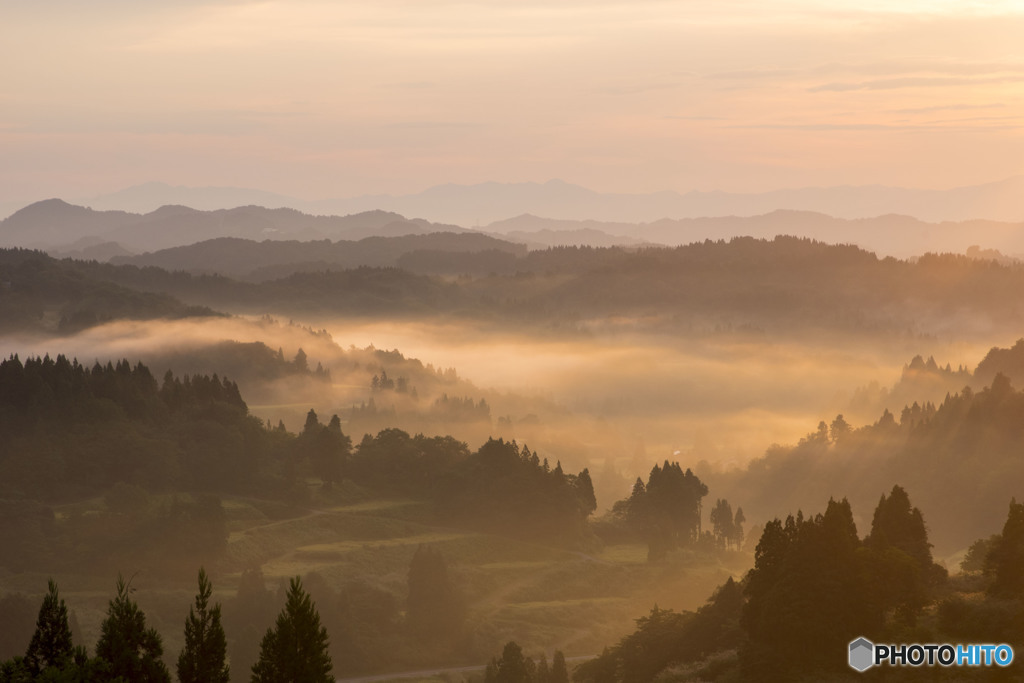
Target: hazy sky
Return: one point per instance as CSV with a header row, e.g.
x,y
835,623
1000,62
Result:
x,y
335,99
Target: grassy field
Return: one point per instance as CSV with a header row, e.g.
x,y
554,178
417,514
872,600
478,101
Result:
x,y
542,597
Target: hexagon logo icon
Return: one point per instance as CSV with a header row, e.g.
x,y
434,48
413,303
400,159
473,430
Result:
x,y
862,654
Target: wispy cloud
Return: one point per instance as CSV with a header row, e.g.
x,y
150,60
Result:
x,y
915,82
948,107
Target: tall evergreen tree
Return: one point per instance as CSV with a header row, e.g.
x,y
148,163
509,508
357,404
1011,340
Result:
x,y
126,648
807,587
202,659
559,670
897,524
296,648
513,667
51,642
1005,561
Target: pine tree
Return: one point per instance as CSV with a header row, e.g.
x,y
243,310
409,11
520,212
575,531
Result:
x,y
1005,561
559,671
126,648
51,643
296,648
202,659
513,667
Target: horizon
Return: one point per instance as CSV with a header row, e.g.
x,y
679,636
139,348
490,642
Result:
x,y
132,199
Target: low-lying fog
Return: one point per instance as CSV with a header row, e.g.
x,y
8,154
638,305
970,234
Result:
x,y
626,400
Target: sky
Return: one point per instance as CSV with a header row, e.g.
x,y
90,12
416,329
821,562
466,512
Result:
x,y
329,99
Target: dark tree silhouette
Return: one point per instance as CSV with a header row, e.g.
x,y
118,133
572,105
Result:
x,y
325,446
559,670
513,667
807,587
296,648
1005,560
126,648
898,525
51,642
722,523
203,658
667,510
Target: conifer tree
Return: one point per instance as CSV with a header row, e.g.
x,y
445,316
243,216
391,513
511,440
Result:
x,y
51,642
559,670
202,659
296,648
1005,561
126,648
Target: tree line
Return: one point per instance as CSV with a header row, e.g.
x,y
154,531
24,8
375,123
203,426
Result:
x,y
294,649
816,586
368,628
968,442
783,284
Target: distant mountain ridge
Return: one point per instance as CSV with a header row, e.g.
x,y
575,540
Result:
x,y
484,203
64,229
55,223
888,235
266,260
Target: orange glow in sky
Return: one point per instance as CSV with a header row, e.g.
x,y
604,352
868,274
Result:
x,y
335,99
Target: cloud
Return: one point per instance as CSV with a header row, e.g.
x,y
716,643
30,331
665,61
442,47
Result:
x,y
914,82
948,107
946,125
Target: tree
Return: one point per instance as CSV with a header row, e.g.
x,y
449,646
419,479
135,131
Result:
x,y
668,510
325,446
51,642
202,659
513,667
312,423
1005,560
974,558
559,671
737,528
900,568
585,491
839,429
897,524
722,522
295,649
807,586
126,648
300,362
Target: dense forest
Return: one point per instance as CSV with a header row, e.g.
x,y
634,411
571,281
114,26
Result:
x,y
416,547
816,585
39,293
271,260
68,431
960,458
782,285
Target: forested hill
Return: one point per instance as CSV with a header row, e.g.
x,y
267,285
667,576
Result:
x,y
272,259
959,460
68,431
785,285
55,223
781,285
43,294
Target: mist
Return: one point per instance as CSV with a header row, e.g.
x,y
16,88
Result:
x,y
617,401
